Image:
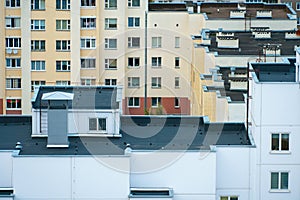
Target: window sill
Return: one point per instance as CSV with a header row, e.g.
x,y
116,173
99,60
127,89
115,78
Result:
x,y
279,191
177,67
88,68
87,7
156,67
133,67
110,29
281,152
134,7
133,87
93,48
62,70
42,9
13,108
38,50
114,8
13,88
13,68
63,50
63,30
63,9
87,29
111,69
176,107
36,30
133,106
133,27
177,87
134,47
156,87
153,47
110,49
13,28
38,70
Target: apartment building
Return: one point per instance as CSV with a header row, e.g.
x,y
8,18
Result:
x,y
98,43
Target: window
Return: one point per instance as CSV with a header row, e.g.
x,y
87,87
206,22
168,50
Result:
x,y
87,43
177,42
88,22
97,124
156,61
229,198
156,82
279,180
177,83
177,62
12,22
13,42
133,82
134,3
298,20
12,3
156,42
176,102
133,102
13,103
155,101
111,81
37,4
110,4
63,65
38,45
63,83
110,43
63,25
63,4
13,83
88,81
297,5
133,22
110,63
110,23
280,142
37,24
88,2
133,42
88,63
38,65
13,62
134,62
62,45
36,84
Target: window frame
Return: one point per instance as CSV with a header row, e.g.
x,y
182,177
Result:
x,y
68,45
36,45
111,26
274,150
10,20
18,103
133,22
131,4
229,197
297,6
13,83
87,23
17,4
98,127
62,82
88,3
17,64
177,62
88,81
156,82
134,42
60,65
112,81
131,83
279,181
157,103
41,26
134,62
108,6
107,43
91,41
42,65
41,5
88,61
158,62
156,42
16,41
61,3
134,101
59,22
177,82
36,83
176,102
108,63
177,42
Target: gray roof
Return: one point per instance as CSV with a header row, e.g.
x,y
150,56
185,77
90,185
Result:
x,y
275,72
85,97
141,132
248,45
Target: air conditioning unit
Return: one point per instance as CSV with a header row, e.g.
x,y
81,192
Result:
x,y
9,51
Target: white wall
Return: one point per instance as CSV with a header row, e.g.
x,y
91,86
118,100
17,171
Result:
x,y
234,172
192,175
71,177
236,112
6,164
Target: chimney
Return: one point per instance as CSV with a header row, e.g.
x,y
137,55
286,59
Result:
x,y
57,118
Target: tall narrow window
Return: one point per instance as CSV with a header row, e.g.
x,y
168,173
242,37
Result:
x,y
156,42
110,23
177,42
110,4
176,102
177,83
156,61
133,22
156,82
134,3
177,62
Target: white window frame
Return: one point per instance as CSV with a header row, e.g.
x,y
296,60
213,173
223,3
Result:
x,y
280,142
13,63
279,189
10,4
67,43
61,64
134,104
40,5
13,83
177,82
88,63
177,42
13,42
108,43
63,82
88,43
108,63
89,3
88,22
42,64
18,103
38,25
158,102
36,45
177,99
156,82
136,22
37,83
112,81
88,81
132,4
63,3
108,6
12,22
157,63
135,62
177,62
111,23
133,82
98,127
156,42
134,42
60,23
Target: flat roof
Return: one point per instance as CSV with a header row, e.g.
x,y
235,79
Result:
x,y
275,72
279,11
147,133
248,45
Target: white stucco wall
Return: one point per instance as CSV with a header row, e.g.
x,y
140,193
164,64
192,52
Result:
x,y
236,112
6,163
